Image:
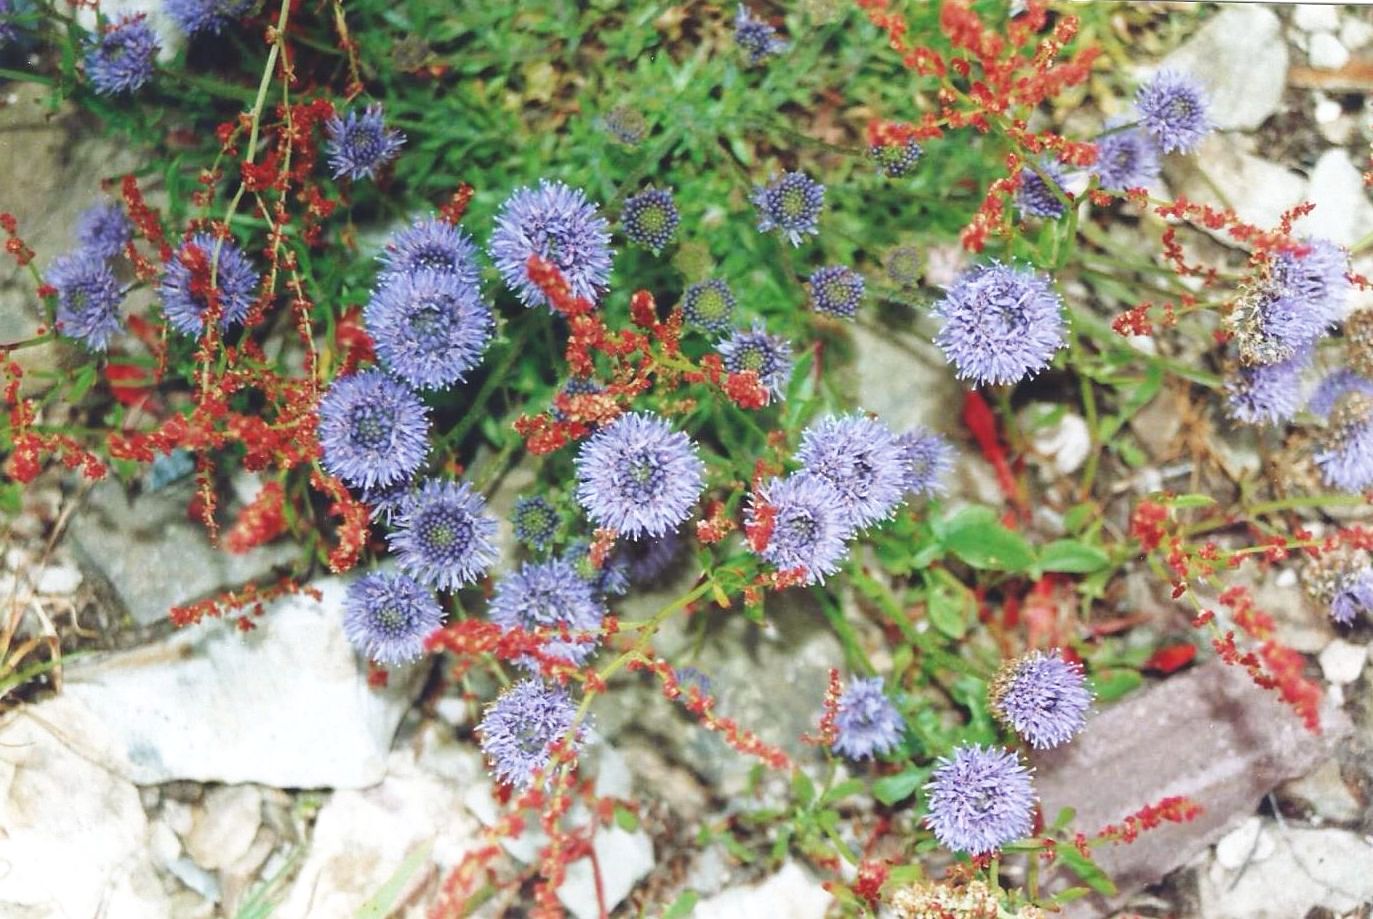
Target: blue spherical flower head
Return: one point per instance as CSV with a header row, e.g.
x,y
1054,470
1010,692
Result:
x,y
928,458
536,522
1043,698
896,160
709,305
791,205
9,23
609,580
1342,579
557,223
862,460
756,37
648,558
1172,108
650,219
625,124
979,800
638,476
444,537
88,296
550,596
1267,326
430,244
836,290
1267,393
430,327
1001,324
1346,461
1125,157
121,59
360,143
183,299
769,356
807,525
1037,197
1317,279
195,16
388,616
387,502
373,430
867,724
1333,388
903,266
104,229
521,725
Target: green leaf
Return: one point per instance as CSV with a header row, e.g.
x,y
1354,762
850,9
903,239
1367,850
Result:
x,y
383,902
1189,500
842,790
893,788
682,906
626,819
1109,685
1087,870
1078,516
980,540
1071,894
1073,557
802,788
946,613
1065,817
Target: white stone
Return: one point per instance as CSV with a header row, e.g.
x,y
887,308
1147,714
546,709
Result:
x,y
1259,190
903,378
226,822
791,892
1324,868
624,859
1356,32
1342,662
75,839
1066,443
1316,17
1328,110
163,842
363,838
58,579
1343,211
1327,53
1240,56
286,705
1326,793
1245,844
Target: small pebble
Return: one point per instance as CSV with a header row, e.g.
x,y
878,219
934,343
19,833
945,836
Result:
x,y
1342,661
1245,844
1355,33
1316,17
58,579
1327,53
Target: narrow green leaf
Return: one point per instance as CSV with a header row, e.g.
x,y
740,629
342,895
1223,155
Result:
x,y
683,905
1087,870
1072,557
893,788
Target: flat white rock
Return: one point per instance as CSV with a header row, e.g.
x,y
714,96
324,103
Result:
x,y
791,892
1240,56
1342,661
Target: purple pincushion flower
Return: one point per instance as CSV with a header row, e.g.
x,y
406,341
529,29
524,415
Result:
x,y
88,297
430,327
755,36
444,537
837,290
648,558
9,23
1043,698
790,204
895,160
806,523
638,476
609,580
557,223
121,59
195,16
1268,326
1036,196
1125,157
1354,595
1267,393
387,502
866,723
650,219
709,305
980,799
1342,579
928,458
1316,278
373,431
769,356
1333,387
1001,324
103,229
388,617
430,244
235,279
536,522
550,596
862,460
1346,462
360,144
521,725
1173,109
903,264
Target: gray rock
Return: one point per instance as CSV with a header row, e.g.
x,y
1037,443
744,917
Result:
x,y
1308,868
1316,17
623,858
1322,795
1240,56
225,824
75,839
791,892
1209,734
1224,168
286,705
1343,211
904,379
154,557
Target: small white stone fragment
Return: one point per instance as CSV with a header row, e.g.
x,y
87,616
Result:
x,y
1243,845
1342,661
1328,110
1356,32
1316,17
58,579
1327,53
